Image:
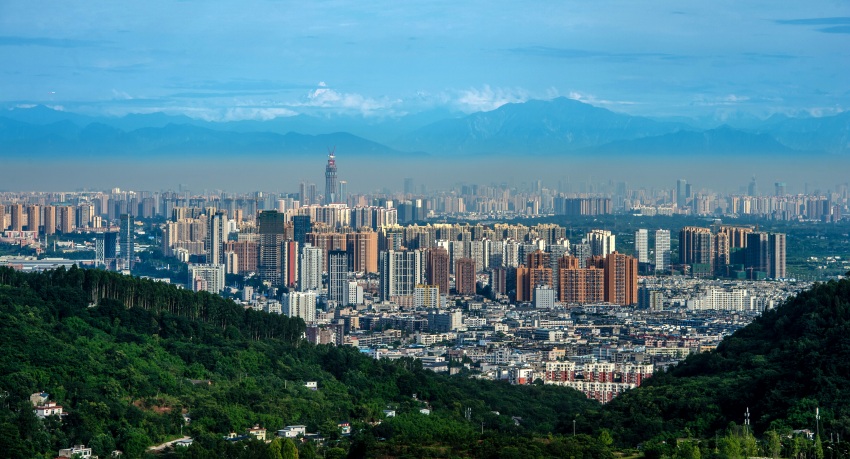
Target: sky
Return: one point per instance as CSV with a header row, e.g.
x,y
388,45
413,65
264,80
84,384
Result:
x,y
234,60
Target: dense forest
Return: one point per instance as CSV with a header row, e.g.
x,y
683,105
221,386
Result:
x,y
130,359
791,364
135,363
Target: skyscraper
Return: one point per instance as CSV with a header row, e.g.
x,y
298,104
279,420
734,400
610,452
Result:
x,y
271,225
300,227
681,193
127,241
216,236
662,250
642,245
331,185
337,275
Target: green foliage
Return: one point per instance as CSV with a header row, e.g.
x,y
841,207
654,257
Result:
x,y
127,358
788,362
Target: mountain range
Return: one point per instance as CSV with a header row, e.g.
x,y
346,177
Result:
x,y
555,127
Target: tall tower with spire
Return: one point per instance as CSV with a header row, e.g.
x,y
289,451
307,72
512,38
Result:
x,y
331,183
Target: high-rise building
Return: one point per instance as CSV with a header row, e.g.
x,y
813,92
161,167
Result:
x,y
206,277
353,293
310,273
33,218
300,304
331,186
642,245
581,285
362,248
766,255
66,217
271,226
216,236
696,250
126,236
106,247
621,279
426,296
465,276
301,225
721,253
437,268
753,188
602,242
400,272
49,220
2,217
681,193
780,188
17,216
247,253
582,252
337,275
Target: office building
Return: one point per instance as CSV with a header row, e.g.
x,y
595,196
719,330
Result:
x,y
271,226
337,275
127,244
301,225
216,236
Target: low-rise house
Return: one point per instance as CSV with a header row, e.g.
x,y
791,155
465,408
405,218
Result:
x,y
257,432
48,409
76,450
292,431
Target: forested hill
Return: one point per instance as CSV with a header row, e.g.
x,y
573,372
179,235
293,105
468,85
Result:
x,y
783,366
128,358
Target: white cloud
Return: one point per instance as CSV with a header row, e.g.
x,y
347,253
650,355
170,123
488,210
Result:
x,y
487,98
593,100
325,97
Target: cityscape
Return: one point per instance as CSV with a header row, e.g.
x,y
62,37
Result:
x,y
477,274
596,230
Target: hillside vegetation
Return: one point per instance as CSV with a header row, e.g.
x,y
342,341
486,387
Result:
x,y
127,358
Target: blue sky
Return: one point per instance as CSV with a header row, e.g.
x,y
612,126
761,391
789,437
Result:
x,y
229,60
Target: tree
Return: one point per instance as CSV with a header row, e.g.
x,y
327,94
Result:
x,y
275,449
289,451
774,444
